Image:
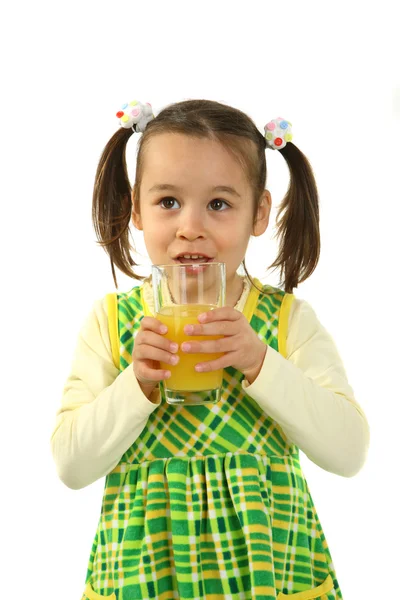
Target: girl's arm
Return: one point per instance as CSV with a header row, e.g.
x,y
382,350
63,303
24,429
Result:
x,y
309,396
102,412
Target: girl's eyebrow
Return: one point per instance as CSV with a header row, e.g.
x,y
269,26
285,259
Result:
x,y
218,188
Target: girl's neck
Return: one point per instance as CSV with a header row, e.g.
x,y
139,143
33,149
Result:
x,y
236,290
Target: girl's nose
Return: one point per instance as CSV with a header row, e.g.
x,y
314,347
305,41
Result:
x,y
191,225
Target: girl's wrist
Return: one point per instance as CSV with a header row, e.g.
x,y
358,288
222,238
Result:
x,y
147,388
254,373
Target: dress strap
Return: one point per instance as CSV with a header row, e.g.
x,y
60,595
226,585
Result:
x,y
112,312
284,323
251,301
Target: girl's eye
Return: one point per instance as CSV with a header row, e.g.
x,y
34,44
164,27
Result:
x,y
169,199
219,201
164,199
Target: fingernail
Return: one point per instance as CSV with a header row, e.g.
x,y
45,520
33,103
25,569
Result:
x,y
163,329
185,347
188,329
173,347
202,317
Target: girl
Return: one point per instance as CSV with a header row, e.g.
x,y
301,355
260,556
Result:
x,y
207,501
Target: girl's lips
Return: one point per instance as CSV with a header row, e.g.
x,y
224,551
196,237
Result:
x,y
194,262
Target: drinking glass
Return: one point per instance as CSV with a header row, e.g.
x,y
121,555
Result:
x,y
181,293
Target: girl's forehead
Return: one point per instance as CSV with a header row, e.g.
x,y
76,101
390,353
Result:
x,y
168,154
178,143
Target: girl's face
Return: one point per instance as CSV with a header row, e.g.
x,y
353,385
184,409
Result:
x,y
191,216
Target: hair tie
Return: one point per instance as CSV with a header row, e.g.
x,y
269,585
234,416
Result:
x,y
277,133
135,113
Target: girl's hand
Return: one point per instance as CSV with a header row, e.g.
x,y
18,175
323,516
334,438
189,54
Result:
x,y
242,348
150,347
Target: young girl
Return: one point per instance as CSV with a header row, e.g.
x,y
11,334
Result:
x,y
207,501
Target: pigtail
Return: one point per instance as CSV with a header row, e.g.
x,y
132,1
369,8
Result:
x,y
298,222
112,204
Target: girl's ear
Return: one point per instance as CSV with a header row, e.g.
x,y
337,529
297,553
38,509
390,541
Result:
x,y
263,213
136,218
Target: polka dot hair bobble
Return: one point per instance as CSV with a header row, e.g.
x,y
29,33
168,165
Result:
x,y
277,133
135,113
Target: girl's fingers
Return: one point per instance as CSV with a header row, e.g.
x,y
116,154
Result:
x,y
216,328
149,338
152,324
224,313
145,352
209,346
214,365
147,375
151,348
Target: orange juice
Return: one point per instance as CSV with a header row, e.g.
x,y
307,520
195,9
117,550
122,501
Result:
x,y
183,375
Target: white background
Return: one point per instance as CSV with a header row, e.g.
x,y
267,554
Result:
x,y
66,69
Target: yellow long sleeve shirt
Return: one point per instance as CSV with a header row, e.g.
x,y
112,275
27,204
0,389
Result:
x,y
104,411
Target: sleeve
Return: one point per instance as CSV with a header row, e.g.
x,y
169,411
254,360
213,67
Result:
x,y
309,396
102,410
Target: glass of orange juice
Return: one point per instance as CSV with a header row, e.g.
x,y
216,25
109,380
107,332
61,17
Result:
x,y
181,293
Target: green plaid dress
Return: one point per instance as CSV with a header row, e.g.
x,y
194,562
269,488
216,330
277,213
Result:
x,y
209,501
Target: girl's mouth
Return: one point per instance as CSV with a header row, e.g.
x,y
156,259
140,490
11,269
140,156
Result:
x,y
194,265
192,261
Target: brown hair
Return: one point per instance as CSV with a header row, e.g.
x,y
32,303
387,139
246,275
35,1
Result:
x,y
297,228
